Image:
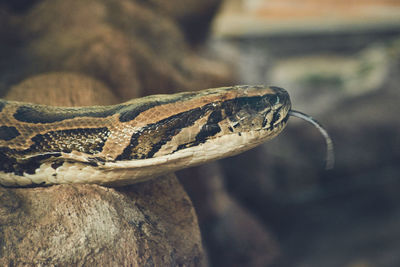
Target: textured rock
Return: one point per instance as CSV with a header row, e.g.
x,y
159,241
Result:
x,y
63,88
194,17
89,225
134,48
128,46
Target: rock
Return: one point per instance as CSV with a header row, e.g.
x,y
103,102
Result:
x,y
194,17
63,88
133,49
90,225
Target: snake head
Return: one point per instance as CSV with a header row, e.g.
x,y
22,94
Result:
x,y
257,108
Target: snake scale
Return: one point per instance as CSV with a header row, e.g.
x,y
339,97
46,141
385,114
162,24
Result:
x,y
136,140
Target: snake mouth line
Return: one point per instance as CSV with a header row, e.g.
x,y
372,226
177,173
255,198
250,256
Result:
x,y
330,154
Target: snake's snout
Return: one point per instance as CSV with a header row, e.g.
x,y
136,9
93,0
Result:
x,y
280,99
280,105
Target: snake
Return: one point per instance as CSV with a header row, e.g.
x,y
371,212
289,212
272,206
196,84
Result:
x,y
139,139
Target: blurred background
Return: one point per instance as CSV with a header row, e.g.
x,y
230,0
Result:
x,y
275,205
340,62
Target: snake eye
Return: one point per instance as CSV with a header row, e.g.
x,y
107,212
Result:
x,y
274,100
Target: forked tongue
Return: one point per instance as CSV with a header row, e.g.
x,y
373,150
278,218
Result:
x,y
330,155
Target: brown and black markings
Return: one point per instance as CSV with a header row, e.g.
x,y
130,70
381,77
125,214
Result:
x,y
42,133
146,143
89,141
50,146
9,163
8,132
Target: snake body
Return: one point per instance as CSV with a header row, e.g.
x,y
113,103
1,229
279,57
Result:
x,y
136,140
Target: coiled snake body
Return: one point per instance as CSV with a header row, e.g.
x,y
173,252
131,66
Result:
x,y
136,140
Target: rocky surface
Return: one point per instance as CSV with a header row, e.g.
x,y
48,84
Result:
x,y
87,225
133,49
62,89
194,17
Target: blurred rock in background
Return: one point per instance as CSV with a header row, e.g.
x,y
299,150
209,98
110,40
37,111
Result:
x,y
135,48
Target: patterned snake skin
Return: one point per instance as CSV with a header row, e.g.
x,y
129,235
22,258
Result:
x,y
136,140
